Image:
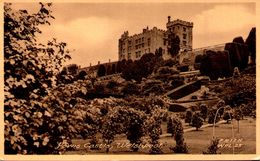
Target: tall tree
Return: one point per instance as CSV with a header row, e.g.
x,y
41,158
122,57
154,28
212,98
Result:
x,y
251,43
174,44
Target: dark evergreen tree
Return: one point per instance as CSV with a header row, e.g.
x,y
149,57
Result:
x,y
204,111
174,44
197,121
251,43
188,116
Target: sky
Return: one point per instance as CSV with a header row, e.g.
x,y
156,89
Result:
x,y
92,30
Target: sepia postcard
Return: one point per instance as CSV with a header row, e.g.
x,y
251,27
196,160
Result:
x,y
138,80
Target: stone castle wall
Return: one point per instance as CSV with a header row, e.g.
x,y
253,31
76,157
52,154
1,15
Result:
x,y
133,47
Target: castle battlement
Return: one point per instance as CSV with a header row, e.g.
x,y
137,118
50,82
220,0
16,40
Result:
x,y
179,22
151,40
145,31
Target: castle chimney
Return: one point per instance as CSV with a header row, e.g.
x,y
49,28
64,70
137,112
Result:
x,y
90,64
98,62
169,18
109,60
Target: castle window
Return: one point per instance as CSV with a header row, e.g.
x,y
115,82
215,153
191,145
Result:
x,y
184,29
164,42
142,44
129,55
142,39
184,36
136,46
184,43
129,42
136,41
148,41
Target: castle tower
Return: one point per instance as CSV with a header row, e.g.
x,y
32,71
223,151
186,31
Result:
x,y
184,30
122,45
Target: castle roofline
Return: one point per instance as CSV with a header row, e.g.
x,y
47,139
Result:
x,y
181,22
144,31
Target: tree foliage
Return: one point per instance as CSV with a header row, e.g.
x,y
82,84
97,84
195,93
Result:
x,y
174,44
140,68
101,71
30,69
154,131
197,121
228,116
204,111
212,115
188,116
169,126
177,133
213,147
251,43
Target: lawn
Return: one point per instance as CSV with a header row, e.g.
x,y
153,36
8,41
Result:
x,y
197,141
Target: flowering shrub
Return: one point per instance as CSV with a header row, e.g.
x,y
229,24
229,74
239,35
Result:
x,y
30,69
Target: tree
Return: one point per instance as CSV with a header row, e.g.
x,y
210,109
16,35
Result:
x,y
101,71
197,121
109,70
246,109
30,69
170,126
154,130
112,84
112,125
131,89
251,43
212,115
204,111
158,52
220,106
188,116
123,120
177,132
239,40
213,147
82,75
73,69
140,68
174,44
135,128
216,64
198,60
238,116
227,116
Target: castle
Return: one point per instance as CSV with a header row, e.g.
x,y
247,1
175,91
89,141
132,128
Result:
x,y
133,47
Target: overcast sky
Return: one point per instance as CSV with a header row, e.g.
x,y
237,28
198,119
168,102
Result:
x,y
93,29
